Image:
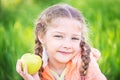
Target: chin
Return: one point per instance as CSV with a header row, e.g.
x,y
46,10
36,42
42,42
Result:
x,y
64,60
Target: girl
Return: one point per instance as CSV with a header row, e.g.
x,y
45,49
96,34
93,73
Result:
x,y
61,43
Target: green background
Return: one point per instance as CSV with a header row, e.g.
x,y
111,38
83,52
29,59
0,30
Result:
x,y
17,18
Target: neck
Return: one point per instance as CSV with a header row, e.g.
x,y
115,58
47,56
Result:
x,y
56,66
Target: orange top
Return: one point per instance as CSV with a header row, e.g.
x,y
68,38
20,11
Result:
x,y
72,70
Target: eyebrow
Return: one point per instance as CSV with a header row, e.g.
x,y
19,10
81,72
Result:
x,y
58,32
63,33
77,35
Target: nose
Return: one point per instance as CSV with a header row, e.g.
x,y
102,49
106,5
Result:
x,y
67,44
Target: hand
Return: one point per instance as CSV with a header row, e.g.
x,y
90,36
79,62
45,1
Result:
x,y
94,72
24,73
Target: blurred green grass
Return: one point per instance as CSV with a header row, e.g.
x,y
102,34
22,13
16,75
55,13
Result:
x,y
17,19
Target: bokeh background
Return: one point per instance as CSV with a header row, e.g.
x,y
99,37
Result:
x,y
17,18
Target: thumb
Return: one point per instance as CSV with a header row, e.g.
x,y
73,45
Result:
x,y
25,69
36,76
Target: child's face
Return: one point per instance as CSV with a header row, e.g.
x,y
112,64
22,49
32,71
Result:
x,y
62,39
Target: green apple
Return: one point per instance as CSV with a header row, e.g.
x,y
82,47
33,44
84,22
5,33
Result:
x,y
32,61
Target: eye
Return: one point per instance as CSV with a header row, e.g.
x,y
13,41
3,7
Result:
x,y
75,38
58,36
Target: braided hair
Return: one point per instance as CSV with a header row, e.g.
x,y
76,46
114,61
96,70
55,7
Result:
x,y
66,11
38,44
85,56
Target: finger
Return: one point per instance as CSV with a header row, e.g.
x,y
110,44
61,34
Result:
x,y
25,70
36,76
18,66
96,53
25,73
27,76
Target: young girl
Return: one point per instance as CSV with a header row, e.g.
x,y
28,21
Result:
x,y
61,43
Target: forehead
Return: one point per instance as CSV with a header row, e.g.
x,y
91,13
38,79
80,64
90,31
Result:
x,y
66,21
66,24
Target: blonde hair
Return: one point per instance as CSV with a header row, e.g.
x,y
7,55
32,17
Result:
x,y
65,11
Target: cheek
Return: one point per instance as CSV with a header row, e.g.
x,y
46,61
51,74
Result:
x,y
77,48
53,42
51,45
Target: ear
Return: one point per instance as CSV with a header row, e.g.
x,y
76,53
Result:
x,y
41,38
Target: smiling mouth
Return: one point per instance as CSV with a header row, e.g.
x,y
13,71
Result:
x,y
63,52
